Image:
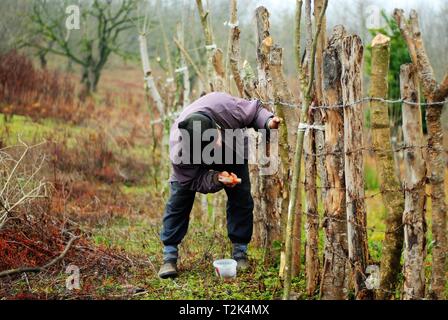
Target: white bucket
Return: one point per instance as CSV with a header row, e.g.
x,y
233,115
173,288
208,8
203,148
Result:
x,y
225,268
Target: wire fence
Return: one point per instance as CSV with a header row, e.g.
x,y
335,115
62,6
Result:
x,y
171,115
325,217
370,99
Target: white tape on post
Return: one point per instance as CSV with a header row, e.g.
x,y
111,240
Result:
x,y
230,24
306,126
211,47
181,69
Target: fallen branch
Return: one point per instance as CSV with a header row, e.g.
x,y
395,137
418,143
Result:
x,y
46,266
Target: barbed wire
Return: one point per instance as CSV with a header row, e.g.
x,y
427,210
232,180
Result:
x,y
344,105
323,107
362,199
372,150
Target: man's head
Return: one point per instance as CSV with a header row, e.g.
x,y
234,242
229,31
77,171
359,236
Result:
x,y
205,122
197,126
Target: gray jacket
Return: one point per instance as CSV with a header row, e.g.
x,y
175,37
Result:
x,y
229,113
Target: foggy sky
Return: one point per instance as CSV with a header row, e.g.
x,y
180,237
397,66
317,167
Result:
x,y
280,5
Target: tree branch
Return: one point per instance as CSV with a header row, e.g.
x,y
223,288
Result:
x,y
411,33
190,60
443,89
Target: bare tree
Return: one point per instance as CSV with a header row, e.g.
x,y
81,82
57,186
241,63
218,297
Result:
x,y
12,23
91,47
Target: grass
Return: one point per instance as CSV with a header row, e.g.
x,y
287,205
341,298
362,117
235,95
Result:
x,y
25,129
197,278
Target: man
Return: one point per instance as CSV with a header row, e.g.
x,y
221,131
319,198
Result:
x,y
215,114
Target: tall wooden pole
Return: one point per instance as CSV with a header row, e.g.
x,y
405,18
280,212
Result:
x,y
351,57
295,188
335,271
415,183
433,92
390,185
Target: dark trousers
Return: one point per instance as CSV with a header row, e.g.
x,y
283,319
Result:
x,y
239,209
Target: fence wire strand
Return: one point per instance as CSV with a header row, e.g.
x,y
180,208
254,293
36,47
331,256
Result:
x,y
323,107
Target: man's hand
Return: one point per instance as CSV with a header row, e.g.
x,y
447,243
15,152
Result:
x,y
228,179
274,123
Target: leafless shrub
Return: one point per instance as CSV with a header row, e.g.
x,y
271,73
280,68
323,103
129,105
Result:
x,y
19,183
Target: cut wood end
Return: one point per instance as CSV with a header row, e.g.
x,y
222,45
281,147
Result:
x,y
261,9
267,42
398,12
380,39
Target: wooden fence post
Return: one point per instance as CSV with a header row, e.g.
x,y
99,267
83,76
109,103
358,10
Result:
x,y
335,267
352,55
312,266
390,186
233,23
283,94
433,92
414,183
234,50
273,189
314,165
264,209
264,46
183,68
215,67
147,71
310,174
245,81
296,165
318,114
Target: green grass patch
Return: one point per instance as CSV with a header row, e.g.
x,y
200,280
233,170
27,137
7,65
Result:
x,y
197,279
371,178
29,131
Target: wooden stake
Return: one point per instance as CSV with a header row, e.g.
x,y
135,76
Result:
x,y
414,182
390,185
335,268
149,79
433,92
351,57
282,93
295,188
269,215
